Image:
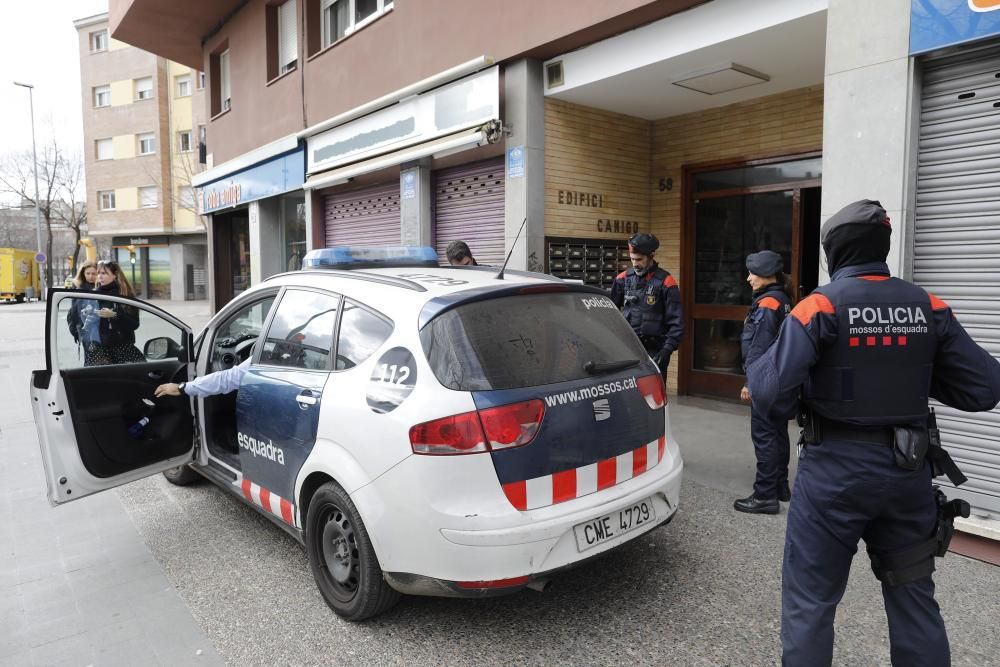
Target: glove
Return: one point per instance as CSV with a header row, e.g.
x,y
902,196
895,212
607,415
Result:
x,y
662,359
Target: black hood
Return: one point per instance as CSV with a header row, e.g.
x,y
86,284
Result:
x,y
857,234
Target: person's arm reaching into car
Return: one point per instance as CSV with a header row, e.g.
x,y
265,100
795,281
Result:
x,y
219,382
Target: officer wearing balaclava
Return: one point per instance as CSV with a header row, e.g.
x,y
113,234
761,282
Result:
x,y
650,300
864,353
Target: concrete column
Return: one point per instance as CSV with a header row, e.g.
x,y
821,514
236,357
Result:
x,y
524,188
870,113
211,254
266,243
415,202
314,206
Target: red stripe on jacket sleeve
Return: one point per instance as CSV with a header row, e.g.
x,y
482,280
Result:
x,y
670,282
810,307
937,304
770,303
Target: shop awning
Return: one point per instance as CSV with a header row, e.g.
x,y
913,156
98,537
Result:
x,y
442,146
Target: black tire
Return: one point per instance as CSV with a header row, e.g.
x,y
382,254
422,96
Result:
x,y
342,558
181,475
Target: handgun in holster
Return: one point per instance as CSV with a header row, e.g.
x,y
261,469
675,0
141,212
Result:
x,y
808,430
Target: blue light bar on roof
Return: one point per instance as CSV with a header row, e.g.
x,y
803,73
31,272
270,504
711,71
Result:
x,y
369,257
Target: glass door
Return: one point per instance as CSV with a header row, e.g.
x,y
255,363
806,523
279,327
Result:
x,y
732,213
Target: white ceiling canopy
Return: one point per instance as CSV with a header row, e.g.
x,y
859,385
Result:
x,y
719,53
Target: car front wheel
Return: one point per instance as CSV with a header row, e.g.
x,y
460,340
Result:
x,y
342,558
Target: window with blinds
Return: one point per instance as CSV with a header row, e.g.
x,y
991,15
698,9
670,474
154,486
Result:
x,y
144,88
104,149
224,79
147,197
288,50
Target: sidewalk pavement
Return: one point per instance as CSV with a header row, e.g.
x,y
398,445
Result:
x,y
78,585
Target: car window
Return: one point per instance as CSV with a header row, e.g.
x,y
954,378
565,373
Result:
x,y
527,340
102,333
301,332
361,333
235,337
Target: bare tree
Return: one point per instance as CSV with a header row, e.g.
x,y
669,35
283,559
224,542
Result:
x,y
71,212
17,177
183,169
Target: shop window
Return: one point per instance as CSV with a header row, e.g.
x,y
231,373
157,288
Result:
x,y
282,39
158,260
293,231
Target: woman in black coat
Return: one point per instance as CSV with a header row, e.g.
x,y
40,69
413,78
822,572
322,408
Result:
x,y
118,321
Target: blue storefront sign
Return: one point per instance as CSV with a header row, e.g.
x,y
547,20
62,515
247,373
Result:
x,y
935,24
275,176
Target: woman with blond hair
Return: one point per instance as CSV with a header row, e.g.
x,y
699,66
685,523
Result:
x,y
82,317
118,321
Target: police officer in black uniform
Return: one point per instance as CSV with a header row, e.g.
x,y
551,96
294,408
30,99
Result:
x,y
650,300
866,351
771,304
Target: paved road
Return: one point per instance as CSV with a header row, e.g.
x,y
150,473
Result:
x,y
701,591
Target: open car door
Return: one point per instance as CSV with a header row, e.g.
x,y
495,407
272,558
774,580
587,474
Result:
x,y
98,424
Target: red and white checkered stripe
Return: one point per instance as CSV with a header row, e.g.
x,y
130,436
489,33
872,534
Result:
x,y
577,482
274,504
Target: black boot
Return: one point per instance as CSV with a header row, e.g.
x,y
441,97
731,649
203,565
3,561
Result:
x,y
784,492
754,505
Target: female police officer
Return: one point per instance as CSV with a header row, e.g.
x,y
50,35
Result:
x,y
770,438
866,351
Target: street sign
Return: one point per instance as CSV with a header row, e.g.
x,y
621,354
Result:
x,y
40,257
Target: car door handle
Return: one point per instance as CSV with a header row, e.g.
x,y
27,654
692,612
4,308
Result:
x,y
154,375
305,399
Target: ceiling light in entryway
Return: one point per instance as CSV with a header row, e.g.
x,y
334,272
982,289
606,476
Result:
x,y
722,79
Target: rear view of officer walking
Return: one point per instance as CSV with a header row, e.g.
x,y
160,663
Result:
x,y
650,300
771,304
866,351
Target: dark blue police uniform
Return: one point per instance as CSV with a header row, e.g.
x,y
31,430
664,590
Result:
x,y
866,351
770,437
652,305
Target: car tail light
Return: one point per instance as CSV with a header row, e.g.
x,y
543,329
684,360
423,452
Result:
x,y
458,434
512,425
501,427
652,389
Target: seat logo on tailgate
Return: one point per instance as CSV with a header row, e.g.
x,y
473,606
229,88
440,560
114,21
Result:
x,y
602,410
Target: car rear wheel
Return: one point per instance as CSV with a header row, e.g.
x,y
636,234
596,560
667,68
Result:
x,y
342,558
181,475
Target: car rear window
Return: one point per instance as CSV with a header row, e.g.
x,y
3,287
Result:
x,y
526,340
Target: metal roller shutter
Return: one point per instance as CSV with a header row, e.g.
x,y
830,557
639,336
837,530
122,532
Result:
x,y
364,217
956,253
468,206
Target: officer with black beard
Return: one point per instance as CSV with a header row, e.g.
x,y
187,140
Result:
x,y
650,300
864,353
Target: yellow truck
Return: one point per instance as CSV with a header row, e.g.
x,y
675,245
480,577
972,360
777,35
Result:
x,y
18,275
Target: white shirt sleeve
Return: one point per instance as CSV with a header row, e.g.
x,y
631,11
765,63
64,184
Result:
x,y
219,382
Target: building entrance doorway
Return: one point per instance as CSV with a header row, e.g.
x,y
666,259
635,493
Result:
x,y
231,238
733,210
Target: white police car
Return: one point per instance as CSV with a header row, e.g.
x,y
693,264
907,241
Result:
x,y
422,430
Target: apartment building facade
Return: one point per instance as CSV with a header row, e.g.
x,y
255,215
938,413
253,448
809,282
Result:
x,y
143,121
554,131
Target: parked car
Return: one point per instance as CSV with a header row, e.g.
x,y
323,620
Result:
x,y
421,430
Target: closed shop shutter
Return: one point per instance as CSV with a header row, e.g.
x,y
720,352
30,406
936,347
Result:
x,y
956,253
364,217
468,206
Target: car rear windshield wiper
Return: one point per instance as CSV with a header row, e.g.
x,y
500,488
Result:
x,y
610,366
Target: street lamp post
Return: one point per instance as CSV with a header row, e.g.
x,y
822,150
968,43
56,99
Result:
x,y
34,157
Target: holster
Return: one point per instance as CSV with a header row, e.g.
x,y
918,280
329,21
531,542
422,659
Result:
x,y
909,446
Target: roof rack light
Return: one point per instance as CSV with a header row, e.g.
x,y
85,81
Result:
x,y
370,257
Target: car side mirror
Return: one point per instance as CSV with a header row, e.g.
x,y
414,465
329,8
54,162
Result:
x,y
157,349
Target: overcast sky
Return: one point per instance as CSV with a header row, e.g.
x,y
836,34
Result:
x,y
38,45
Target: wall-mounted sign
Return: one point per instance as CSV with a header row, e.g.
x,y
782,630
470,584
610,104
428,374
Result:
x,y
408,184
935,24
607,225
273,177
515,162
585,199
464,104
139,241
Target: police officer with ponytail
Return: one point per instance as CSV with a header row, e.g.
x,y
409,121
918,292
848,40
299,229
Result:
x,y
650,300
771,304
864,353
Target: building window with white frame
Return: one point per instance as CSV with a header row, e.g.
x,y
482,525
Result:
x,y
182,85
147,143
106,200
184,141
201,81
288,43
144,88
104,149
185,197
148,196
224,91
99,41
102,96
339,18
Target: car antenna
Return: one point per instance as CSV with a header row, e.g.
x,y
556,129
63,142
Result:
x,y
499,276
